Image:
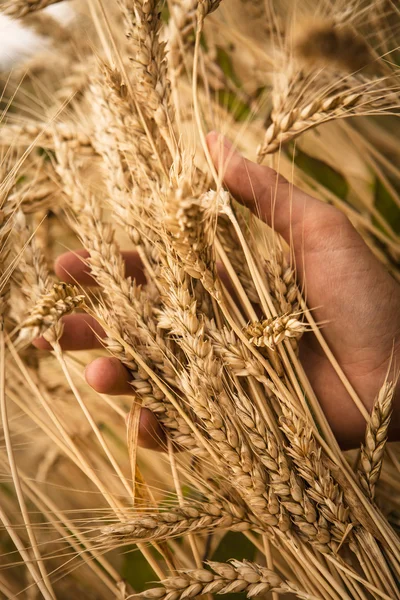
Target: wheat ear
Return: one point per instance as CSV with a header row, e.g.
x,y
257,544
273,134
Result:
x,y
61,300
179,521
20,8
373,450
223,578
150,64
322,488
353,95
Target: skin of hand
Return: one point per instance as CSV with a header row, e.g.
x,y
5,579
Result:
x,y
348,289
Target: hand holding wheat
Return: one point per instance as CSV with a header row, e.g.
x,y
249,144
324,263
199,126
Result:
x,y
342,279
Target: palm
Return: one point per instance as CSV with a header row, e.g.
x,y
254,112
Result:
x,y
351,295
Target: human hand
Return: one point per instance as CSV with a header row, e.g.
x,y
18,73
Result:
x,y
352,292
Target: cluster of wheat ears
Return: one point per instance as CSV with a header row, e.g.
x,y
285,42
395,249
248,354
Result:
x,y
103,146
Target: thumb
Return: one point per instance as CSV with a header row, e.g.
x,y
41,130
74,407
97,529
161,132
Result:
x,y
269,195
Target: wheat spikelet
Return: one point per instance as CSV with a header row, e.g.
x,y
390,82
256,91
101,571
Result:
x,y
7,213
32,265
234,354
180,34
224,578
268,333
20,8
372,452
287,497
32,133
132,169
61,300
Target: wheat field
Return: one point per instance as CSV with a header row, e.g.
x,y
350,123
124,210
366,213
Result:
x,y
238,453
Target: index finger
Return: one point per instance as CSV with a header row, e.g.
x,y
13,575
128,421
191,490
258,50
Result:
x,y
269,195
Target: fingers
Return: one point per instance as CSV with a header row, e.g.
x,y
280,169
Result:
x,y
281,205
71,267
151,434
107,375
81,332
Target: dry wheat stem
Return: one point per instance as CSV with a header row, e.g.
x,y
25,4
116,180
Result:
x,y
25,556
67,527
83,463
14,469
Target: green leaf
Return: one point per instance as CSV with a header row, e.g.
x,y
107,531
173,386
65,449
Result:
x,y
165,14
239,110
234,545
7,490
387,206
225,62
47,153
136,570
321,172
